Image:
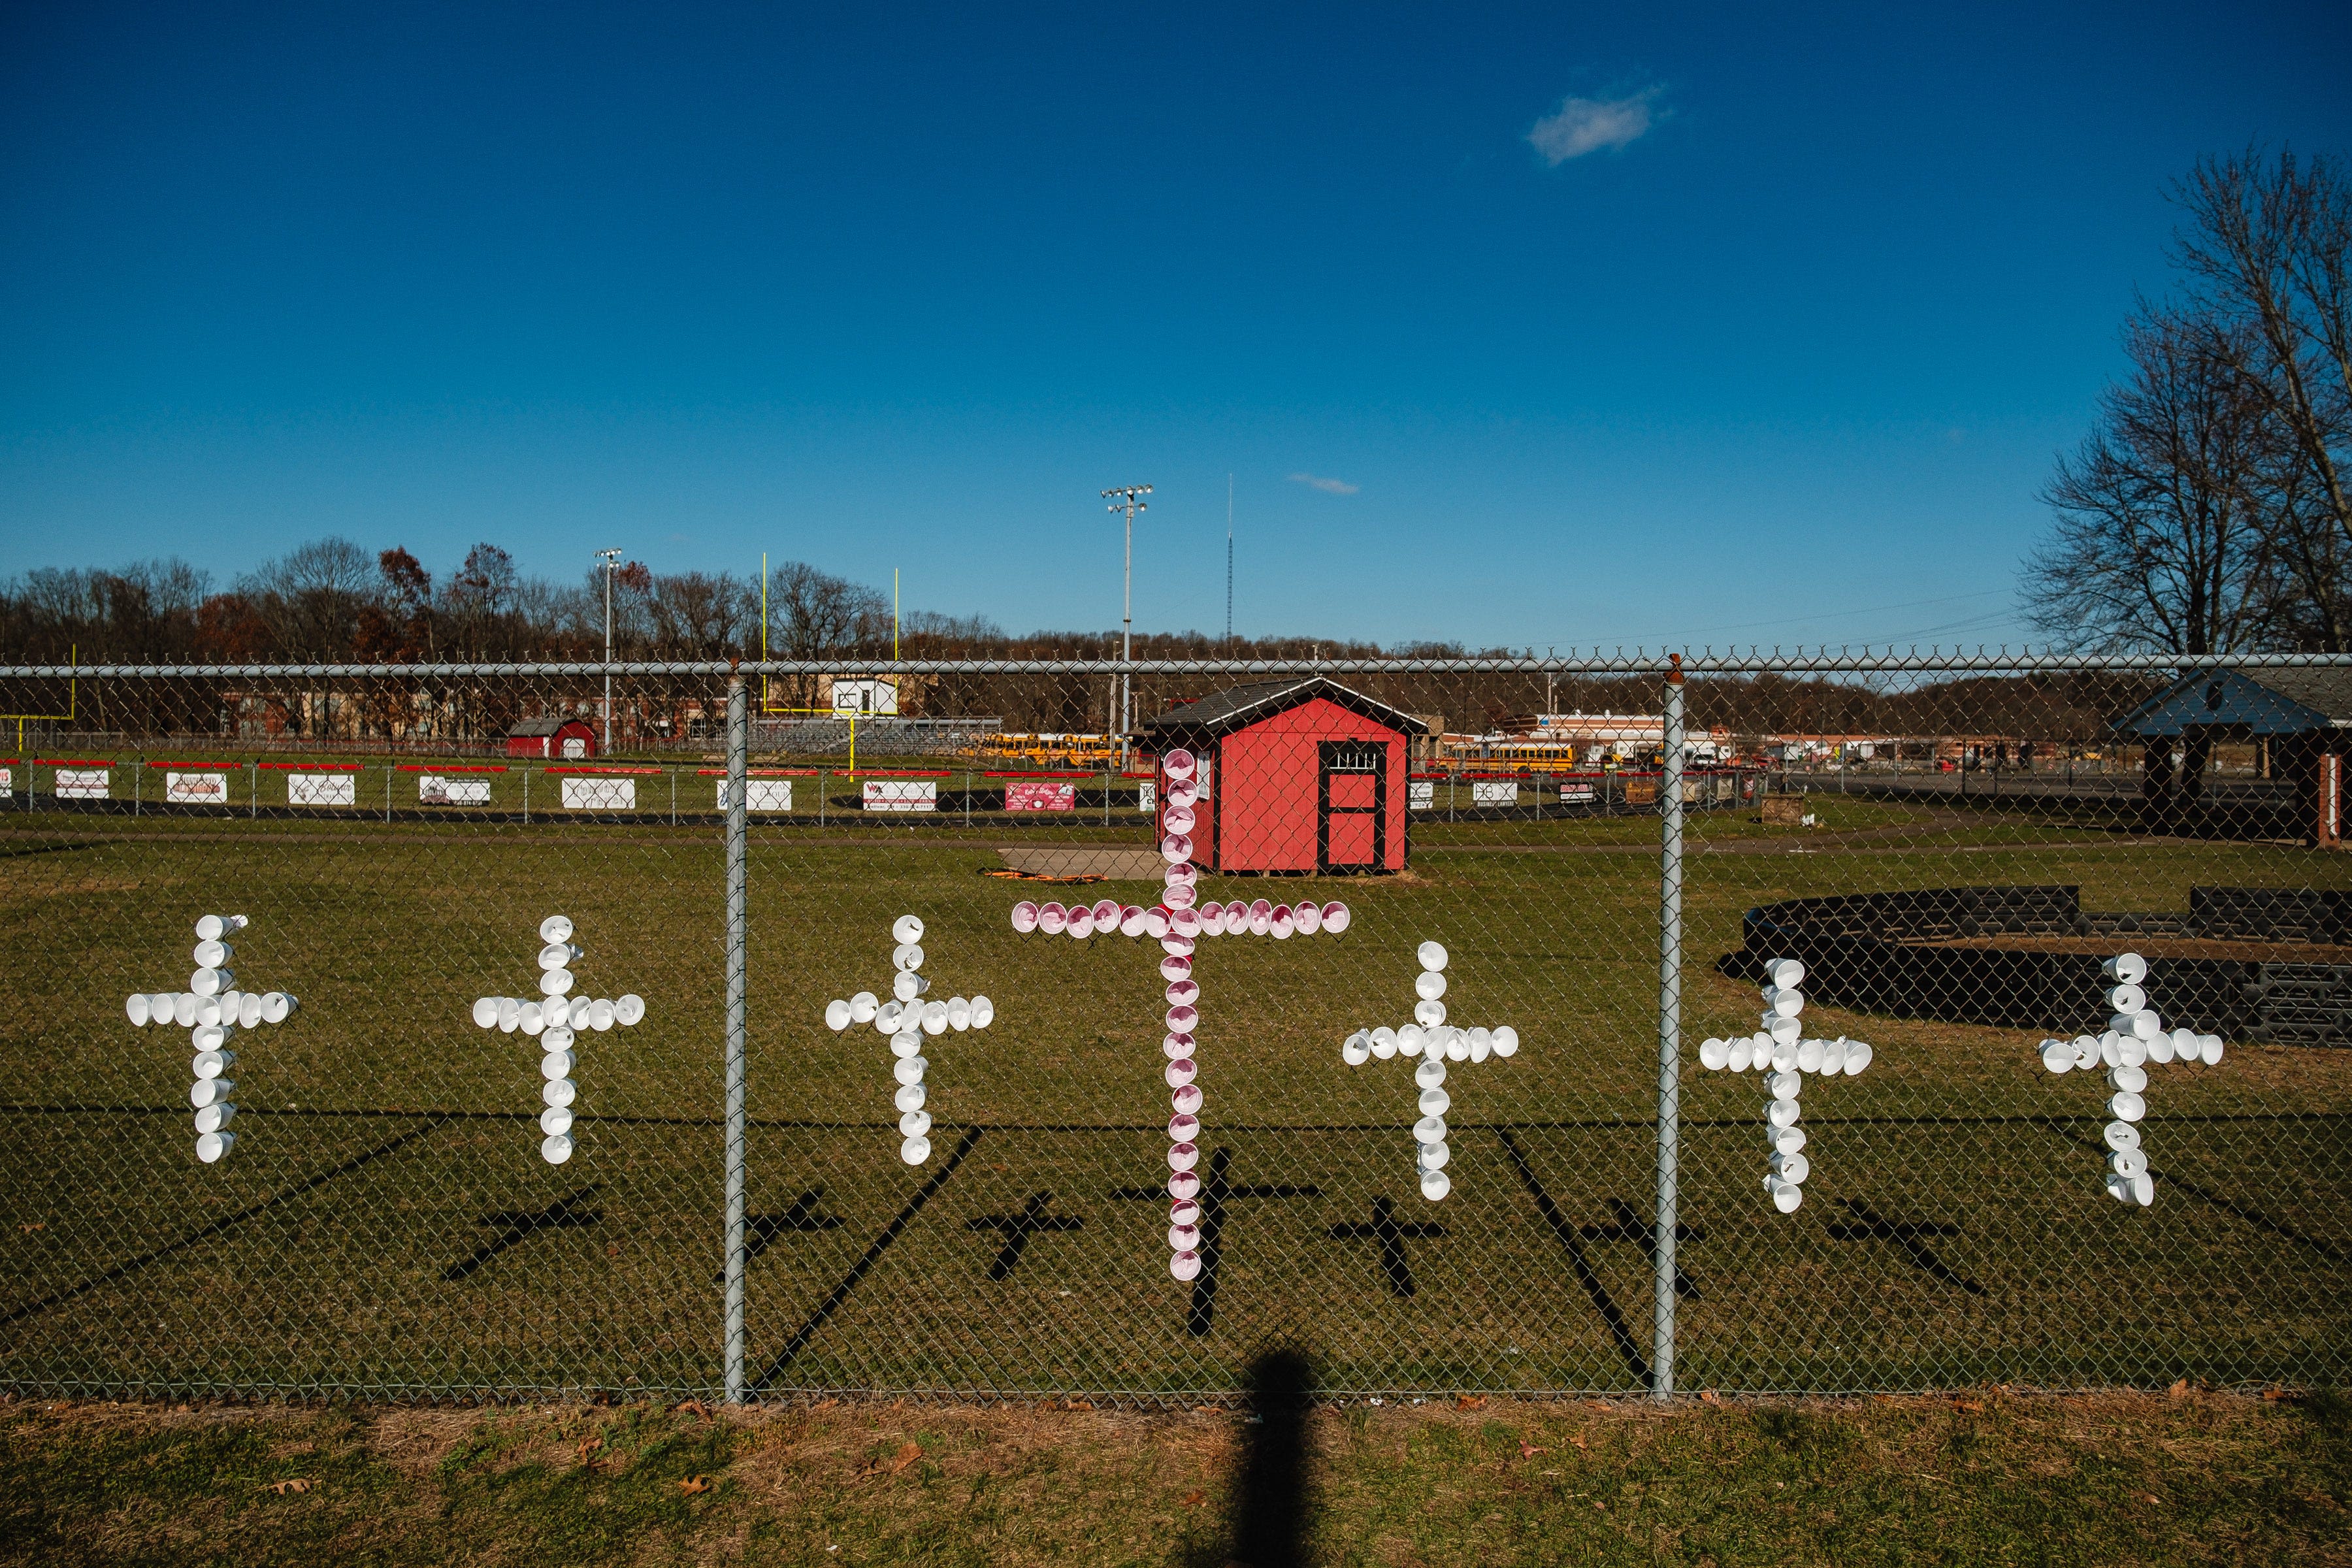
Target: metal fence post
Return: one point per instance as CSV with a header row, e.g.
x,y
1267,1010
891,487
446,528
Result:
x,y
1670,1029
737,762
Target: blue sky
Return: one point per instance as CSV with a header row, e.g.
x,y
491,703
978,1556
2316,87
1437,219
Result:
x,y
1602,325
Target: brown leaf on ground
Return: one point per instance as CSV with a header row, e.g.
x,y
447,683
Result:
x,y
291,1484
1078,1404
1578,1438
36,1224
1194,1497
2278,1395
693,1484
1707,1395
696,1405
1529,1450
2179,1390
1469,1401
825,1404
1962,1402
907,1454
588,1446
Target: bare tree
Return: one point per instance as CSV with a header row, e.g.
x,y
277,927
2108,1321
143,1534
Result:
x,y
2269,252
2160,543
312,598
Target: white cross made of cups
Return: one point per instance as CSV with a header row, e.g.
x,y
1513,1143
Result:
x,y
2135,1038
1177,921
1430,1042
906,1018
215,1013
1781,1052
556,1020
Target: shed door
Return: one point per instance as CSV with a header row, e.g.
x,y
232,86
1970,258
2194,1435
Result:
x,y
1352,821
575,747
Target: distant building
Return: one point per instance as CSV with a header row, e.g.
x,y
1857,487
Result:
x,y
570,739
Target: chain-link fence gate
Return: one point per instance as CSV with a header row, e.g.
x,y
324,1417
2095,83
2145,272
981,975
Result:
x,y
1167,1065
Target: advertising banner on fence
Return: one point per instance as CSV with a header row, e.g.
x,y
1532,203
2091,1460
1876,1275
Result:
x,y
600,795
1043,795
195,789
1577,794
902,795
1494,792
1419,795
761,794
322,789
433,790
1640,792
8,781
83,784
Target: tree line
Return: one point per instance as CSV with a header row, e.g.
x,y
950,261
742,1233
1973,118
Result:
x,y
2209,509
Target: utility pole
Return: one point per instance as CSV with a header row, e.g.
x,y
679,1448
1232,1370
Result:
x,y
1128,500
1229,562
611,560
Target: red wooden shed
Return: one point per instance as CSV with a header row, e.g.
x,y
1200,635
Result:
x,y
570,738
1296,775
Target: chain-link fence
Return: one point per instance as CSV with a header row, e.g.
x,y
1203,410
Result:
x,y
1088,1029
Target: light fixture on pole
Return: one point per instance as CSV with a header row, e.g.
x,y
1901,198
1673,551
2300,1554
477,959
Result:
x,y
611,560
1128,500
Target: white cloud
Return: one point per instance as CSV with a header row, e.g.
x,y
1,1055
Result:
x,y
1588,124
1329,487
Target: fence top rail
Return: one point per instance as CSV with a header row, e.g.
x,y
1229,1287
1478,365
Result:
x,y
2023,661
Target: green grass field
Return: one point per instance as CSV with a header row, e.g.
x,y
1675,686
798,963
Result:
x,y
385,1222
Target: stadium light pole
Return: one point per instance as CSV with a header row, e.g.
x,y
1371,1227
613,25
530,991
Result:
x,y
1128,500
611,560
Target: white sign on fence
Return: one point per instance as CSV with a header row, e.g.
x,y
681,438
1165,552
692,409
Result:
x,y
1419,795
902,795
432,789
1494,792
600,795
761,794
83,784
1146,795
195,789
1576,793
322,789
8,781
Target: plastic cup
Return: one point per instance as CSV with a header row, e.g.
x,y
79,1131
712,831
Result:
x,y
1429,1129
555,928
1457,1044
911,1097
2127,1077
1810,1055
1182,1184
555,1148
558,1091
2130,1051
212,1146
2121,1135
959,1012
886,1016
1506,1042
2126,1106
1183,1211
1179,896
213,928
602,1014
559,1038
529,1019
1436,1101
1052,919
906,929
1175,967
2128,967
2139,1190
1182,875
1833,1054
1181,792
211,1036
208,1011
1858,1055
1155,920
1309,917
1739,1055
1786,972
908,956
1177,765
836,1016
1786,1195
557,1064
1183,1239
1336,918
1793,1168
212,1117
1784,1031
1185,1099
1183,924
2209,1049
906,985
248,1010
908,1043
1785,1140
1429,1074
1357,1049
557,955
1714,1053
1181,1071
1431,1156
1025,917
210,981
1429,985
213,954
908,1070
1180,1019
1408,1041
555,983
915,1150
139,1009
1176,1047
935,1017
2126,998
1785,1085
1177,819
1432,956
1177,946
1781,1113
1783,1003
1213,921
1183,1156
212,1064
915,1124
2058,1055
1182,993
1435,1185
1282,924
1429,1013
1183,1129
1176,847
209,1091
983,1012
2127,1162
509,1014
1383,1042
1185,1266
555,1119
1782,1056
2087,1051
1482,1044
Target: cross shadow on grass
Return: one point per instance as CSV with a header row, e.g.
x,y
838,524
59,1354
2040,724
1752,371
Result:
x,y
1274,1488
